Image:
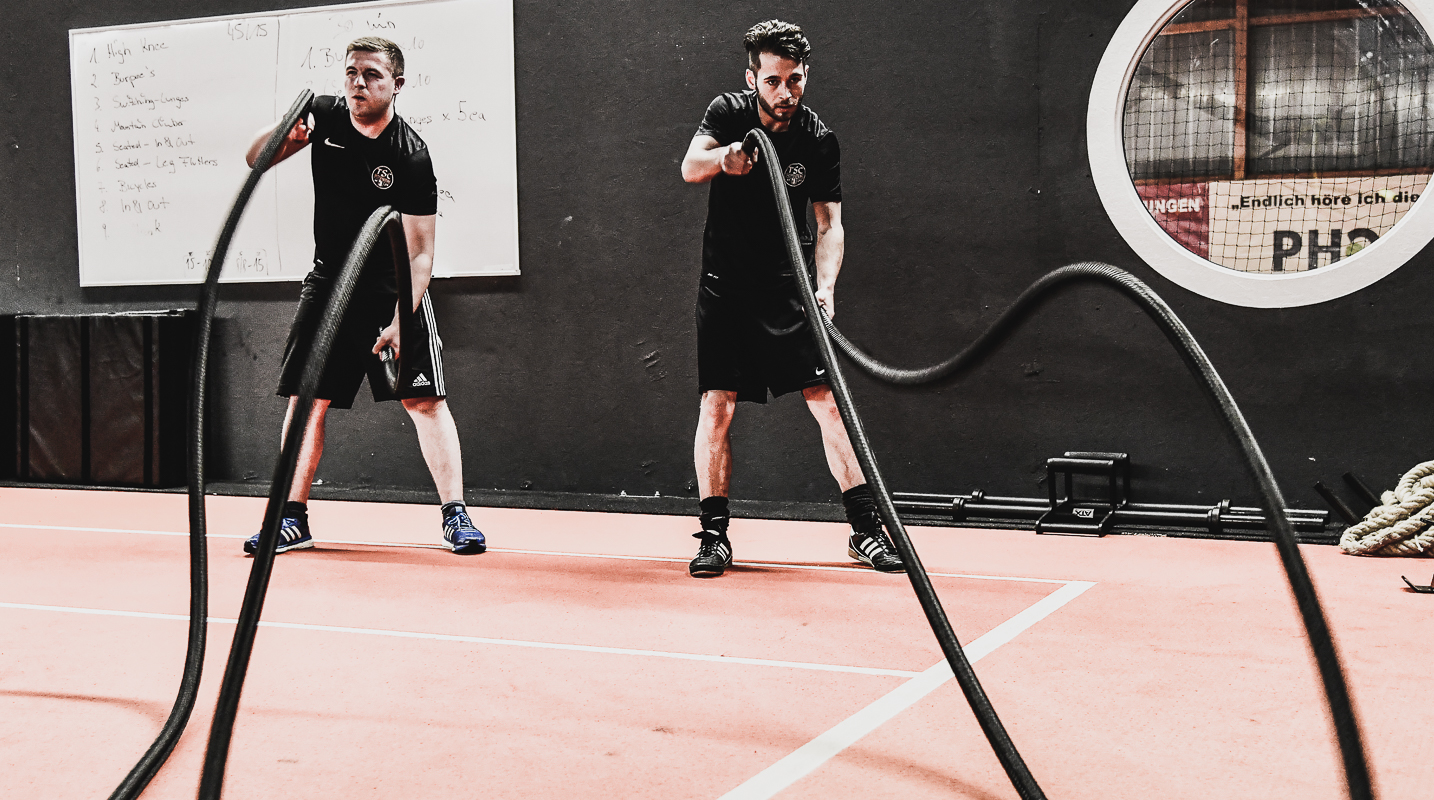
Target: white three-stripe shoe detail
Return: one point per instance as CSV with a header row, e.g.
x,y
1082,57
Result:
x,y
714,555
293,535
289,533
875,550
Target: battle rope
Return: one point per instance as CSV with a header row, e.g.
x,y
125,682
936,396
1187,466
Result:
x,y
144,770
1399,526
1316,627
1356,768
1010,758
383,220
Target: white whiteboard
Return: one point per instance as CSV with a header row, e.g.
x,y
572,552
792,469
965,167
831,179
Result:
x,y
164,113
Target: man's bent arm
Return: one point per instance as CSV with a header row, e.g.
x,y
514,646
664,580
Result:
x,y
831,245
297,140
419,231
706,159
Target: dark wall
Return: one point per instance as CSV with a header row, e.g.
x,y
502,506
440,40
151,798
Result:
x,y
965,179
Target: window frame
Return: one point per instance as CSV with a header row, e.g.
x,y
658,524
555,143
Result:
x,y
1111,174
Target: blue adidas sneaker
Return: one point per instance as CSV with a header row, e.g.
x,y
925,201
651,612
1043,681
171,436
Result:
x,y
293,535
459,532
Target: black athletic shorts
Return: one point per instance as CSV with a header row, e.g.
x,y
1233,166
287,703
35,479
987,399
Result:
x,y
351,358
753,336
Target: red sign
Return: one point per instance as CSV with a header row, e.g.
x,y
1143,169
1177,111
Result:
x,y
1183,210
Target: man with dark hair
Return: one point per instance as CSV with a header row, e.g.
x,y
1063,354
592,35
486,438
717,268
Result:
x,y
366,156
752,334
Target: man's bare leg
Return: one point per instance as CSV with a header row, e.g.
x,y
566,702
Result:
x,y
868,543
310,451
841,458
713,449
294,530
438,439
712,454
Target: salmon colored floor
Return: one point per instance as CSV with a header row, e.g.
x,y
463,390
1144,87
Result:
x,y
577,659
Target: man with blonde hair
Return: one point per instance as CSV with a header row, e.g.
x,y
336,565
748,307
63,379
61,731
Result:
x,y
366,156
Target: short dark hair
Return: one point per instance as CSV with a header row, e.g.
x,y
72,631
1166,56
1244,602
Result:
x,y
778,38
378,44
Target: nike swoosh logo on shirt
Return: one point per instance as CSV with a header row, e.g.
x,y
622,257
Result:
x,y
330,143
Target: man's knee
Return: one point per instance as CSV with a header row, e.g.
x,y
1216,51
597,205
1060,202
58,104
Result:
x,y
319,402
821,401
424,406
317,411
718,409
313,429
818,394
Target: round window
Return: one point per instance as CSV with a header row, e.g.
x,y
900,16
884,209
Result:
x,y
1268,153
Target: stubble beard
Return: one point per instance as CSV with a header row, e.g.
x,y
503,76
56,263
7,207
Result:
x,y
772,111
375,112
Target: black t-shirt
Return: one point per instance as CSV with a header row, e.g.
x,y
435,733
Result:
x,y
353,175
742,222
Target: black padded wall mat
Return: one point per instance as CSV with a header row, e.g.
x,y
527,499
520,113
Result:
x,y
56,426
121,392
9,393
101,398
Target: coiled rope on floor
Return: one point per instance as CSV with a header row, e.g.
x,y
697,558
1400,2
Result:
x,y
1400,525
1353,758
144,770
384,220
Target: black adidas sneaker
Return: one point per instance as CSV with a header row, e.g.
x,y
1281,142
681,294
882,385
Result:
x,y
714,555
875,550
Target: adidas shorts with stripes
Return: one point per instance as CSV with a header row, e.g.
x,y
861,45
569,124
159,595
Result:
x,y
351,359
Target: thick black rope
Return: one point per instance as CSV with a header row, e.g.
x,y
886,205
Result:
x,y
1321,642
1010,758
382,220
144,770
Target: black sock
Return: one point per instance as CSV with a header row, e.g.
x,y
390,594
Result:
x,y
714,514
296,510
861,509
449,509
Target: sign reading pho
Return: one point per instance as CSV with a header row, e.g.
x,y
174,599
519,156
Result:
x,y
1281,225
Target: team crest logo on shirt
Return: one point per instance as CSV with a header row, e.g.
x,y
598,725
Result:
x,y
383,177
796,173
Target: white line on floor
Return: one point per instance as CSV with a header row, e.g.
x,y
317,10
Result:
x,y
88,530
810,756
819,567
443,637
664,559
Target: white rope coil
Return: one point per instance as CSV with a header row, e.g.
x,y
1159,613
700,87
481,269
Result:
x,y
1400,526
